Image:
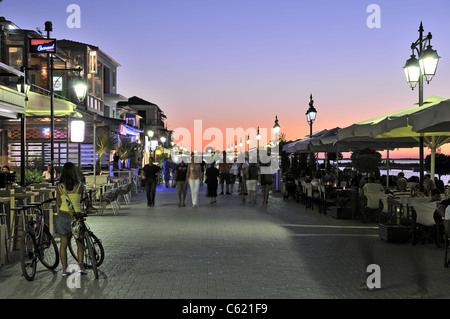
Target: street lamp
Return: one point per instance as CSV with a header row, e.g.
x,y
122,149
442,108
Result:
x,y
80,88
163,140
80,91
416,70
248,142
258,137
310,117
276,128
311,114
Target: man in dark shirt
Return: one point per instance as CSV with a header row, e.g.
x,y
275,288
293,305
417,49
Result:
x,y
151,177
180,180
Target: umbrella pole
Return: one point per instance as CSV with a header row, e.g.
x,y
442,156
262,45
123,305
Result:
x,y
387,168
433,156
421,163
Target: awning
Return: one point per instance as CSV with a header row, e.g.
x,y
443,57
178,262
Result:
x,y
39,105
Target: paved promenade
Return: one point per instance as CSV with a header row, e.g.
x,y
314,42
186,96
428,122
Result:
x,y
277,250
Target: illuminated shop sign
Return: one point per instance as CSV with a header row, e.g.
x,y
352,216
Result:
x,y
126,130
42,45
93,62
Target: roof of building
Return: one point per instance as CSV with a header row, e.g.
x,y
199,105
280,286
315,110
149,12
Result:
x,y
134,100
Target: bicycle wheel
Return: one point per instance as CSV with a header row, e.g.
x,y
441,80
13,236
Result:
x,y
97,245
49,255
98,249
28,255
90,258
72,243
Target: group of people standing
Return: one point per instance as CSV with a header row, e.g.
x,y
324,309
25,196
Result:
x,y
194,173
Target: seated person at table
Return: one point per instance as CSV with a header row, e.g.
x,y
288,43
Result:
x,y
435,195
317,180
442,214
372,191
428,185
401,182
46,174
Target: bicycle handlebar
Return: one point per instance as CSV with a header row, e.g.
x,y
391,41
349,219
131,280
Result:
x,y
48,200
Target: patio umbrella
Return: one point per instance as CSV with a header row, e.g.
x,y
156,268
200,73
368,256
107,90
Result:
x,y
395,129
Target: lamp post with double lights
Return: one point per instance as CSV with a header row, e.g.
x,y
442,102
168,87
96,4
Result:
x,y
415,71
80,91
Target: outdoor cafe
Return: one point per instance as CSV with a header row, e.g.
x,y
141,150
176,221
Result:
x,y
405,216
101,191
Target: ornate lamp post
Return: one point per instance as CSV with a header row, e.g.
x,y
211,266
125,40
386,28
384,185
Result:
x,y
311,114
415,70
310,118
163,140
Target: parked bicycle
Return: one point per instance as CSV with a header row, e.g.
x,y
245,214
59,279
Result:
x,y
94,253
37,242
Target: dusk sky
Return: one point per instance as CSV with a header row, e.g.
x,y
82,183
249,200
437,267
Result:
x,y
238,63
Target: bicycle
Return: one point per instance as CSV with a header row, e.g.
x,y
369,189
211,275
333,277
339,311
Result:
x,y
37,242
94,253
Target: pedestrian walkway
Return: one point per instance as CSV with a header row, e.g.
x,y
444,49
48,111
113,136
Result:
x,y
277,250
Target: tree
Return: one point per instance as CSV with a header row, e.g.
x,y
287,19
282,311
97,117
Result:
x,y
127,149
442,164
366,161
105,143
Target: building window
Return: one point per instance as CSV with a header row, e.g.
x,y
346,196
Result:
x,y
15,57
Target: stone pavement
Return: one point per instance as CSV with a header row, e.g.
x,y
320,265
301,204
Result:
x,y
232,250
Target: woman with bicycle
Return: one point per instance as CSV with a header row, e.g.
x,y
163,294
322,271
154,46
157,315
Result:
x,y
68,196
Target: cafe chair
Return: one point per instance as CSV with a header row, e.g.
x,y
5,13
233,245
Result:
x,y
325,201
110,197
425,228
309,201
125,193
302,191
447,247
370,207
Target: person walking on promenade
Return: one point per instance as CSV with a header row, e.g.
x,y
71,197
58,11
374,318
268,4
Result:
x,y
193,178
234,171
180,180
244,173
166,170
266,180
224,170
68,196
212,175
252,181
150,174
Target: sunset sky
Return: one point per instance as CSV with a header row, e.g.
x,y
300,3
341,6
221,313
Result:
x,y
238,63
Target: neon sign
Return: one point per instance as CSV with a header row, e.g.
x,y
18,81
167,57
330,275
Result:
x,y
42,45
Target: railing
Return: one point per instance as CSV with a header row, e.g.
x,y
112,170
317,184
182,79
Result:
x,y
95,103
